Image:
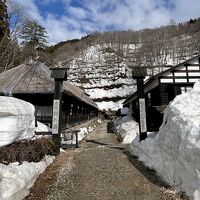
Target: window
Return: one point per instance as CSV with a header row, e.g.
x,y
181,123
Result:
x,y
185,89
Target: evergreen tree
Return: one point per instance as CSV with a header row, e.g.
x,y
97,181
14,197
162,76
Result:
x,y
4,26
34,34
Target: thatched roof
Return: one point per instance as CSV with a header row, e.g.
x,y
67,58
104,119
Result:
x,y
34,78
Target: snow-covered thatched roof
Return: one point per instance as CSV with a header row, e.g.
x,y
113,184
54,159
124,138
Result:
x,y
34,78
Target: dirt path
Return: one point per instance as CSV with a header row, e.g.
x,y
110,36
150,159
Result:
x,y
99,169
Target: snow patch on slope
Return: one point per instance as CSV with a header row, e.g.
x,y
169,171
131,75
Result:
x,y
102,75
123,91
103,70
110,105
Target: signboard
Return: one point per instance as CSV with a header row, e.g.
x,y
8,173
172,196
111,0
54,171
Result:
x,y
143,124
56,111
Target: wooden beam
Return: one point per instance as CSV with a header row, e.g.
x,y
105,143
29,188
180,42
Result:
x,y
189,70
150,67
179,77
199,62
187,74
191,64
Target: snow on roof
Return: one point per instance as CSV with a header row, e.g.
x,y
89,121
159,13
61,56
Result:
x,y
32,78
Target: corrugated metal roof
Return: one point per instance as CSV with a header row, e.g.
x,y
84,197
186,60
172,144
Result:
x,y
32,78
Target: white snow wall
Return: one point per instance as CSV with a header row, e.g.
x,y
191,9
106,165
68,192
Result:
x,y
175,151
17,120
126,129
16,180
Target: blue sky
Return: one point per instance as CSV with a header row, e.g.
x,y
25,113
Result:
x,y
69,19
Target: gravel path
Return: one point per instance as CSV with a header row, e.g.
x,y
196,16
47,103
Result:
x,y
100,169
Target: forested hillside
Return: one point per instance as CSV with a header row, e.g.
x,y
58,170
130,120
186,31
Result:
x,y
148,47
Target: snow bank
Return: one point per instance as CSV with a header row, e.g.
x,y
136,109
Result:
x,y
82,133
174,152
42,127
17,120
16,180
124,111
126,129
71,139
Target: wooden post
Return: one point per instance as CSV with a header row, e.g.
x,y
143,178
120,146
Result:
x,y
72,112
84,113
56,121
59,76
76,139
99,114
139,73
80,112
142,109
75,112
68,112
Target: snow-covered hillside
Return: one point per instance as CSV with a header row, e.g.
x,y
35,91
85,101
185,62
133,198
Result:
x,y
103,75
102,66
104,72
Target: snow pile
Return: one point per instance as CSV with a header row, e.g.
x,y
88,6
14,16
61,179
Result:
x,y
82,133
126,129
42,130
42,127
17,120
174,152
70,137
16,180
99,121
124,111
91,128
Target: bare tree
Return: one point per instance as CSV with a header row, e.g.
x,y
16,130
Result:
x,y
11,16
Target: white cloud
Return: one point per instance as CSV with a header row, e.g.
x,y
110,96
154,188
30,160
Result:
x,y
61,29
126,14
78,13
48,1
100,15
186,9
30,8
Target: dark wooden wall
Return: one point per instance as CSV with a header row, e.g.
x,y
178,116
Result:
x,y
74,110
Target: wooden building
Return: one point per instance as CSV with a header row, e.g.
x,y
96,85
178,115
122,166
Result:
x,y
162,88
31,82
